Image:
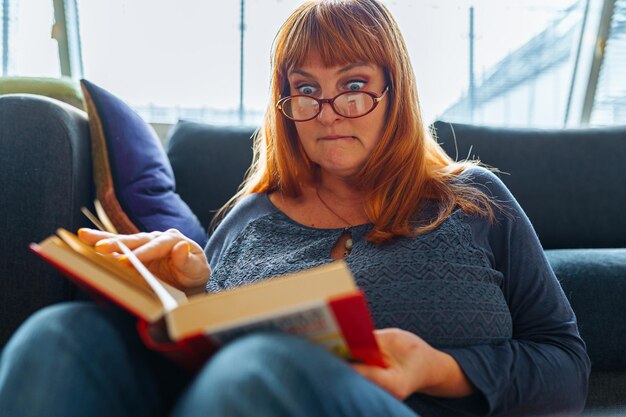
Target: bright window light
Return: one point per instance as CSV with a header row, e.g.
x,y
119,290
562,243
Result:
x,y
183,61
30,49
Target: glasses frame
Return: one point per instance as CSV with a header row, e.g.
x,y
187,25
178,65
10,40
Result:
x,y
376,97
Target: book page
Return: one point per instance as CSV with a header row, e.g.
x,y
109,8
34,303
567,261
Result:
x,y
94,277
130,276
169,302
104,218
314,321
169,296
260,298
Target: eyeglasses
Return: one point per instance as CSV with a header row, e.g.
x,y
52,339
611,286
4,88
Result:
x,y
350,104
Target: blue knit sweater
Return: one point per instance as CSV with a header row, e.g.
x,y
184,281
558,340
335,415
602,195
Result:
x,y
481,291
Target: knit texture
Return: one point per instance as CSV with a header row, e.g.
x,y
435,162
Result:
x,y
438,285
481,291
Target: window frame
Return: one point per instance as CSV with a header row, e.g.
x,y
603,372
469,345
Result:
x,y
589,58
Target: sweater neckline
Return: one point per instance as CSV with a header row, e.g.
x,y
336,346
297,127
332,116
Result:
x,y
288,219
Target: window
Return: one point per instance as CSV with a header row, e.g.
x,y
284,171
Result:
x,y
497,63
513,63
27,47
168,59
263,19
184,61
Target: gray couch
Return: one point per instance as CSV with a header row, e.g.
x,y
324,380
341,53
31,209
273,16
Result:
x,y
572,184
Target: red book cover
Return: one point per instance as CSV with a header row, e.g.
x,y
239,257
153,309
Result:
x,y
352,316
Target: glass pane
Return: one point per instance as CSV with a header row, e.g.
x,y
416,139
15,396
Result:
x,y
184,61
609,107
31,50
263,19
168,59
522,61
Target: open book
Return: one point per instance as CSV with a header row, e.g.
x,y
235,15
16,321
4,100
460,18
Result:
x,y
322,304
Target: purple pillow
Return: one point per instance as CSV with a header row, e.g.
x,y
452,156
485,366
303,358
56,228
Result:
x,y
134,178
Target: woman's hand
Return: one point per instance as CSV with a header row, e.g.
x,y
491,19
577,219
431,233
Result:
x,y
415,366
169,255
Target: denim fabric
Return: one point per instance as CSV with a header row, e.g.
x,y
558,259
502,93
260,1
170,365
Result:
x,y
274,375
81,359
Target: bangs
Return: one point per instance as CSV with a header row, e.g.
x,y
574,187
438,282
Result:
x,y
341,32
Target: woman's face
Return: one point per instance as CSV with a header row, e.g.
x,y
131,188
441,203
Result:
x,y
339,145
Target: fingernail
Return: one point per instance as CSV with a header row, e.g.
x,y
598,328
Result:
x,y
122,258
102,242
82,229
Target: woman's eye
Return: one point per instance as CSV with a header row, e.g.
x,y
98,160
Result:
x,y
355,85
306,90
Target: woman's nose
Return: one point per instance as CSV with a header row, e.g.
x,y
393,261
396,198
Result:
x,y
328,115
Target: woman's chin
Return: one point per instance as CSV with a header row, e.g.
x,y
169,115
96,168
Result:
x,y
341,170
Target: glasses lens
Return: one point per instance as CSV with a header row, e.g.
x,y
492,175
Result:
x,y
353,104
300,108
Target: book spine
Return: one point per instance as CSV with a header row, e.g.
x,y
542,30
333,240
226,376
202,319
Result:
x,y
191,353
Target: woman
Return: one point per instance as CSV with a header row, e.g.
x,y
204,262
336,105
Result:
x,y
472,319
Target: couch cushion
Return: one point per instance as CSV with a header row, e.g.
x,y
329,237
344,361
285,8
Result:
x,y
134,179
594,281
607,395
209,163
570,182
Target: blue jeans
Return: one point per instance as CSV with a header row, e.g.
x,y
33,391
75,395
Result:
x,y
82,359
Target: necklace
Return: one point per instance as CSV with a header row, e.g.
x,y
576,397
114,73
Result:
x,y
346,230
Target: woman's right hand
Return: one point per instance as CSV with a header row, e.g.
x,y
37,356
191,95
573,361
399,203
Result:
x,y
169,255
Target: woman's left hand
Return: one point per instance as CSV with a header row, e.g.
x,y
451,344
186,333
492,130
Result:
x,y
415,366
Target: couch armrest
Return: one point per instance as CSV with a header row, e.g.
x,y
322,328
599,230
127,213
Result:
x,y
594,281
45,172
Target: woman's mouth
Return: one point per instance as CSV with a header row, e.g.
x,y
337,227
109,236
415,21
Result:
x,y
336,137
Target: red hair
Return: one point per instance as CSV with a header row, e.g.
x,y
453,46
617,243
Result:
x,y
407,168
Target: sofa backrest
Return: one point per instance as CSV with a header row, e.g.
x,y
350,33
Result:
x,y
209,164
570,182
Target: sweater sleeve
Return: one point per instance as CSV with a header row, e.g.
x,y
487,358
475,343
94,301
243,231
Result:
x,y
544,368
